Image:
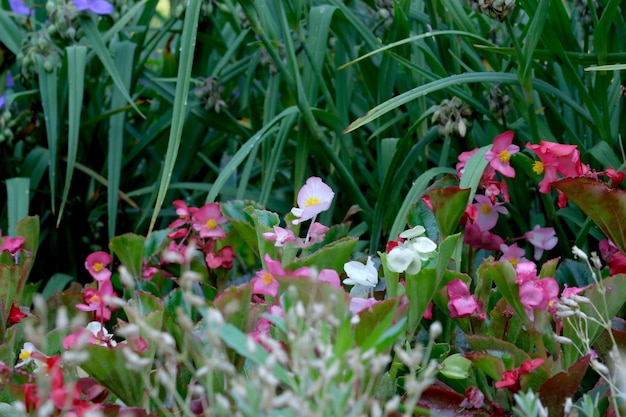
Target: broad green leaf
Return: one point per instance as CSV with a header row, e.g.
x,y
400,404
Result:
x,y
332,256
76,63
456,367
11,34
18,200
107,366
56,283
129,248
607,298
605,206
504,276
489,344
234,304
473,171
449,204
378,323
489,364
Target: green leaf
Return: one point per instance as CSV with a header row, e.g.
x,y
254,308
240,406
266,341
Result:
x,y
449,204
380,325
179,111
534,33
605,206
129,248
6,410
48,88
56,283
76,63
456,367
18,200
607,297
473,171
107,366
504,276
11,34
493,344
332,256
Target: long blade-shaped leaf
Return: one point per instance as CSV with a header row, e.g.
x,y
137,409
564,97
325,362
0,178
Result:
x,y
76,82
48,88
124,55
98,45
18,199
187,46
10,33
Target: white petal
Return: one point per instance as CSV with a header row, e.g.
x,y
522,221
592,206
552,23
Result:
x,y
414,232
414,267
423,245
399,258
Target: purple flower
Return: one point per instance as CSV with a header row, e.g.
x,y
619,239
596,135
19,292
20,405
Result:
x,y
3,100
96,6
19,7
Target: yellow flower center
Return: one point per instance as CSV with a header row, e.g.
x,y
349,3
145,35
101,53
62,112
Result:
x,y
94,299
513,261
505,156
538,167
98,266
24,354
311,201
211,224
485,209
267,278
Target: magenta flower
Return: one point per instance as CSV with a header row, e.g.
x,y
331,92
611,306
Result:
x,y
95,300
542,238
538,294
487,212
95,6
184,214
556,158
511,379
207,219
526,271
462,303
96,264
481,239
313,198
11,244
501,152
280,237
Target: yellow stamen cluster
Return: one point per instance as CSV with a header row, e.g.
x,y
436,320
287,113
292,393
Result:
x,y
311,201
538,167
505,156
485,209
98,266
267,278
211,224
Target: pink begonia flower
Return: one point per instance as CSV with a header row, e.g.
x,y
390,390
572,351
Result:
x,y
95,6
95,299
264,282
11,244
542,238
556,158
360,274
358,304
511,379
94,334
569,291
313,198
526,271
501,152
481,239
280,237
223,258
428,314
184,214
538,294
462,303
513,254
207,219
330,276
487,212
175,253
317,232
96,263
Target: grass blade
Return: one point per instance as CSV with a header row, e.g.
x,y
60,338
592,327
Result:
x,y
10,33
187,47
48,88
76,63
18,199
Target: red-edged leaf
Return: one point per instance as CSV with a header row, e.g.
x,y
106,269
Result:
x,y
449,204
444,402
563,385
605,206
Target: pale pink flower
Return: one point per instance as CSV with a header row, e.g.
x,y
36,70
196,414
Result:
x,y
358,304
184,214
207,219
280,237
330,276
96,263
513,254
313,198
317,232
542,238
501,152
264,281
526,271
487,212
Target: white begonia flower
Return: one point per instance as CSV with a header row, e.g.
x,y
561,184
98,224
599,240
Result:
x,y
25,356
408,255
103,337
359,274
